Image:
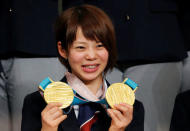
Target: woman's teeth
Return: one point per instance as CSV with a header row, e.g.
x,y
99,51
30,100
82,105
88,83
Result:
x,y
91,67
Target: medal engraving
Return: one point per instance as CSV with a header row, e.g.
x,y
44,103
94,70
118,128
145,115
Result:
x,y
120,93
59,92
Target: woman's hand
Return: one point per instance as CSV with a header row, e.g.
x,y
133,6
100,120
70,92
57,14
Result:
x,y
52,116
121,116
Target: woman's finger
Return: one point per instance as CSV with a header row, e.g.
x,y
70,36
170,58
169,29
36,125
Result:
x,y
53,110
57,114
115,115
118,114
124,108
60,119
110,112
52,105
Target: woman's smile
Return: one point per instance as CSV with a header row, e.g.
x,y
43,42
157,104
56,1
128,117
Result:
x,y
90,68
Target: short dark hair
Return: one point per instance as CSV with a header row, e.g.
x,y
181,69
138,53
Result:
x,y
95,25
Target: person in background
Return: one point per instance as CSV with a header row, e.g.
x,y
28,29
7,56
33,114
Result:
x,y
26,37
184,19
5,121
87,47
5,47
181,111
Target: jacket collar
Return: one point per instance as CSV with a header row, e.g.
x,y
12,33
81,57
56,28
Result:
x,y
71,123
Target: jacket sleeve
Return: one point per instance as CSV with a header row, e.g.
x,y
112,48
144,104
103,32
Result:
x,y
137,123
31,112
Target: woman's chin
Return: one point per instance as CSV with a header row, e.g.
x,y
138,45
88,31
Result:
x,y
89,77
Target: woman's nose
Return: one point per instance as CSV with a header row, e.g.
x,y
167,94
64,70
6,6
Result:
x,y
91,54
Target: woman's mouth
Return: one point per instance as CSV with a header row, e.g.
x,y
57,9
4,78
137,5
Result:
x,y
90,68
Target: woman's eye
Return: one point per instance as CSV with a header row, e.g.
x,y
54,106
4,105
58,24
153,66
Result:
x,y
100,45
80,47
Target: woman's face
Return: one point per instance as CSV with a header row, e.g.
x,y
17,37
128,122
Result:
x,y
87,58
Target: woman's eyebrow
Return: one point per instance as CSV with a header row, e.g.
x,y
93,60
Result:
x,y
80,42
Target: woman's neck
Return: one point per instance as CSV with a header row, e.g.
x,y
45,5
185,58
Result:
x,y
94,85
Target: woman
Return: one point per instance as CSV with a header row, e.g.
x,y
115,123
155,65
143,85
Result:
x,y
86,44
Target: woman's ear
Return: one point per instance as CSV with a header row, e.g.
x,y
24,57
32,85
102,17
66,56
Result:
x,y
62,52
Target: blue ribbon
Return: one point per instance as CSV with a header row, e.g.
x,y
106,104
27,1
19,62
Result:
x,y
131,84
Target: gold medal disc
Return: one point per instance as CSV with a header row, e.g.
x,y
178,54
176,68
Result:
x,y
120,93
59,92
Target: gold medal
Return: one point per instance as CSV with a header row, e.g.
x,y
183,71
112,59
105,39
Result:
x,y
120,93
59,92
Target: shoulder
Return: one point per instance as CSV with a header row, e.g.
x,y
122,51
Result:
x,y
35,96
182,99
34,100
184,95
138,104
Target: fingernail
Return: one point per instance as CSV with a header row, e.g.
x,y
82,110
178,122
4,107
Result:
x,y
116,104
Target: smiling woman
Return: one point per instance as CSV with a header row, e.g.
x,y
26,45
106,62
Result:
x,y
87,58
86,45
94,25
